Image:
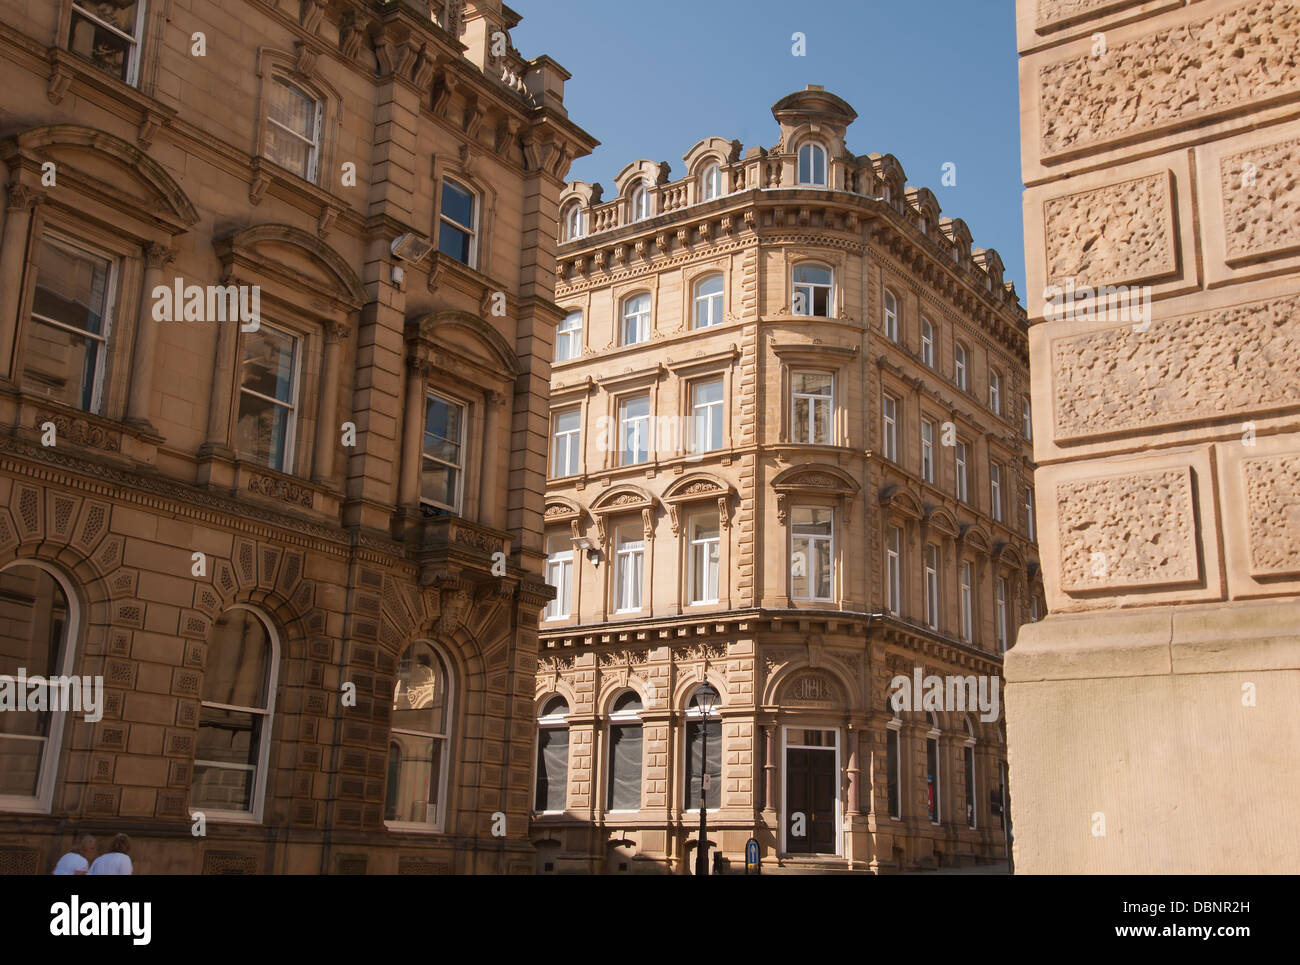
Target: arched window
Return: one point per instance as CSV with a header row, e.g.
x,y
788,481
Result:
x,y
932,768
552,756
812,290
927,343
968,761
573,222
568,337
703,740
711,183
231,758
37,635
891,316
422,710
708,301
640,202
636,318
812,165
458,222
623,789
959,365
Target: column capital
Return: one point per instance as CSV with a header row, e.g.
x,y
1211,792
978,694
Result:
x,y
20,197
336,332
158,255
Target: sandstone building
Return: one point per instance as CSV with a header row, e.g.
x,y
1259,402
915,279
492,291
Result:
x,y
304,552
789,457
1160,143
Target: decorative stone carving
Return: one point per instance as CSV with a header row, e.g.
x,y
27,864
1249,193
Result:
x,y
1056,13
1182,73
810,688
1261,201
1128,531
1112,234
280,489
79,431
1272,486
1238,359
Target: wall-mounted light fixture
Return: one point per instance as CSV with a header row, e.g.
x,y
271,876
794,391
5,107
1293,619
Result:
x,y
584,543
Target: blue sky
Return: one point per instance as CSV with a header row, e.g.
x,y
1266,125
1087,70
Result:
x,y
932,81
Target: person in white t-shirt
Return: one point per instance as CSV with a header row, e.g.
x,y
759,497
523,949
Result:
x,y
77,861
116,861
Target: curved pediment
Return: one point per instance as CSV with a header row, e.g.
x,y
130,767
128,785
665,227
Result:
x,y
698,485
715,149
651,172
560,509
104,163
943,521
976,536
898,500
624,498
816,477
1008,555
469,333
295,257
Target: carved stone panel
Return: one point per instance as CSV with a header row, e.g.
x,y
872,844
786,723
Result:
x,y
810,689
1176,75
1272,486
1131,531
1261,201
1055,13
1113,234
1238,359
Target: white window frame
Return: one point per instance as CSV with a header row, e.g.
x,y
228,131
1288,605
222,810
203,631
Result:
x,y
573,221
1000,611
569,334
641,319
623,718
625,585
642,430
809,430
932,586
698,554
52,753
995,491
995,392
639,201
291,426
702,417
808,549
893,570
813,148
1026,415
927,451
967,601
133,58
261,775
1030,528
809,290
927,343
961,452
425,457
959,365
710,305
444,758
104,338
711,182
566,442
560,567
889,424
472,229
314,142
891,316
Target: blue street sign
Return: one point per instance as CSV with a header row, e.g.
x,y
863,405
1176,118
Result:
x,y
751,855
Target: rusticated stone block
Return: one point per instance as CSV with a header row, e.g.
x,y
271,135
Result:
x,y
1113,234
1240,359
1272,487
1127,531
1261,201
1056,13
1176,75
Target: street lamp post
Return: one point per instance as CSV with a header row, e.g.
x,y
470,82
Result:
x,y
705,697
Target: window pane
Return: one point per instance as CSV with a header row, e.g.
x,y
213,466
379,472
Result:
x,y
239,661
104,48
932,777
454,242
895,797
457,204
71,287
695,741
625,767
269,363
552,768
442,430
414,767
289,152
812,275
292,108
420,693
230,738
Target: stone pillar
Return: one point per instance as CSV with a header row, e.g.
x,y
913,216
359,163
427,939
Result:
x,y
491,505
13,253
322,457
769,767
1160,689
223,378
417,371
853,771
157,257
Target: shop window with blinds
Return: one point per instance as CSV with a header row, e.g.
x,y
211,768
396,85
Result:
x,y
552,756
623,788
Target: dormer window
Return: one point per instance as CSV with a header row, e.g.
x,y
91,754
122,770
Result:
x,y
711,183
812,165
640,202
573,222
